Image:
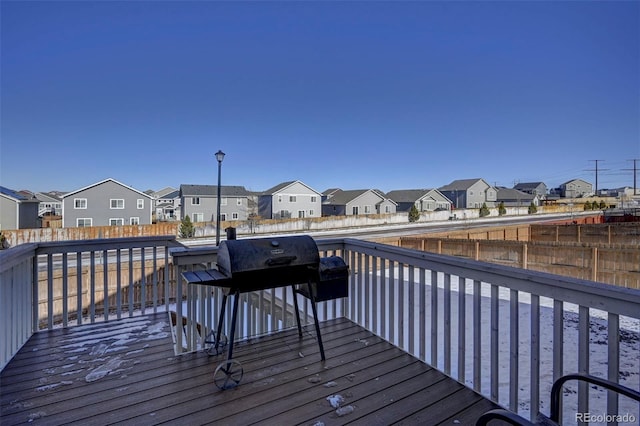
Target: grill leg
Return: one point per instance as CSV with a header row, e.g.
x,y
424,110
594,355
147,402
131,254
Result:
x,y
236,297
315,318
220,321
295,304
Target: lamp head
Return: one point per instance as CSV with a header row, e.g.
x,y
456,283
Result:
x,y
219,156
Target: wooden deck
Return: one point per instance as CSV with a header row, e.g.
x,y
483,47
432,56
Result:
x,y
126,372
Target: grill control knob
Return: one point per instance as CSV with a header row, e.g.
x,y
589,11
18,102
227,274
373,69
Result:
x,y
275,243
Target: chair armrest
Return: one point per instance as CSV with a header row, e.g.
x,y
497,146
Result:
x,y
504,415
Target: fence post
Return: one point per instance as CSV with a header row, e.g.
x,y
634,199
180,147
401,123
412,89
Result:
x,y
525,254
594,260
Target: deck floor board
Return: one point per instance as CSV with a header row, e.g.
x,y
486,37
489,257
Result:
x,y
125,372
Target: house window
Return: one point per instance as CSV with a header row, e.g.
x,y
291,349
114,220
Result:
x,y
279,198
223,216
195,201
117,203
354,210
80,203
301,214
313,198
134,221
387,209
223,201
238,201
234,216
116,221
367,209
310,212
83,222
140,203
198,217
292,198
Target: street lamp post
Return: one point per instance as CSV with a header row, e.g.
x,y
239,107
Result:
x,y
219,157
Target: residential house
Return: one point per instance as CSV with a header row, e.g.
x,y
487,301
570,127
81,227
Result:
x,y
425,200
18,211
576,188
357,202
166,204
534,188
290,199
106,203
470,193
50,204
200,203
515,198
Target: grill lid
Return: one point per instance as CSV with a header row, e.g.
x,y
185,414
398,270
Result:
x,y
262,254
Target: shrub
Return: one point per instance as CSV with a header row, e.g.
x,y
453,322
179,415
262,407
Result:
x,y
186,228
414,214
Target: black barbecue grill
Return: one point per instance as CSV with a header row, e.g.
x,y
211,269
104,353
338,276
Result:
x,y
260,263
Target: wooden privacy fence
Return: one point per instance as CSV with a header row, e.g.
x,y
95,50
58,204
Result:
x,y
617,264
618,233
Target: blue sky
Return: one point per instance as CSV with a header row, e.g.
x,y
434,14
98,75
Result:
x,y
385,95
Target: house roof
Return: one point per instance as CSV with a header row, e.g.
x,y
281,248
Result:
x,y
575,180
13,194
48,197
513,194
171,195
407,195
341,197
461,185
105,181
284,185
528,185
212,191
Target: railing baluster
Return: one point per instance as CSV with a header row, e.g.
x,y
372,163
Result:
x,y
613,359
92,289
393,320
375,325
514,340
167,290
155,279
534,374
477,335
434,318
119,284
494,354
79,291
400,304
447,323
105,283
50,290
132,286
65,290
143,282
422,318
583,357
462,327
366,293
384,285
411,287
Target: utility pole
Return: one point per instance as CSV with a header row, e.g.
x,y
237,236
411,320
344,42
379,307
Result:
x,y
635,175
596,170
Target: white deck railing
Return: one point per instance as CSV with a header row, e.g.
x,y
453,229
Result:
x,y
505,332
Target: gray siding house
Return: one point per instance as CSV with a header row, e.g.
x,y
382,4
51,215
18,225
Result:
x,y
166,204
470,193
533,188
106,203
514,198
425,200
291,199
356,202
17,211
576,188
50,204
200,203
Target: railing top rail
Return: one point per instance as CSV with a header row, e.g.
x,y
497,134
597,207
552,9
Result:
x,y
15,255
106,244
619,300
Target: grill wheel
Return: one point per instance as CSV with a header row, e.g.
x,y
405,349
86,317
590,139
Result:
x,y
228,374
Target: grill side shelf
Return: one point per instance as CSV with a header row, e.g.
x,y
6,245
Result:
x,y
208,277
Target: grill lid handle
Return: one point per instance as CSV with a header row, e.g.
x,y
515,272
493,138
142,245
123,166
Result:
x,y
283,260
